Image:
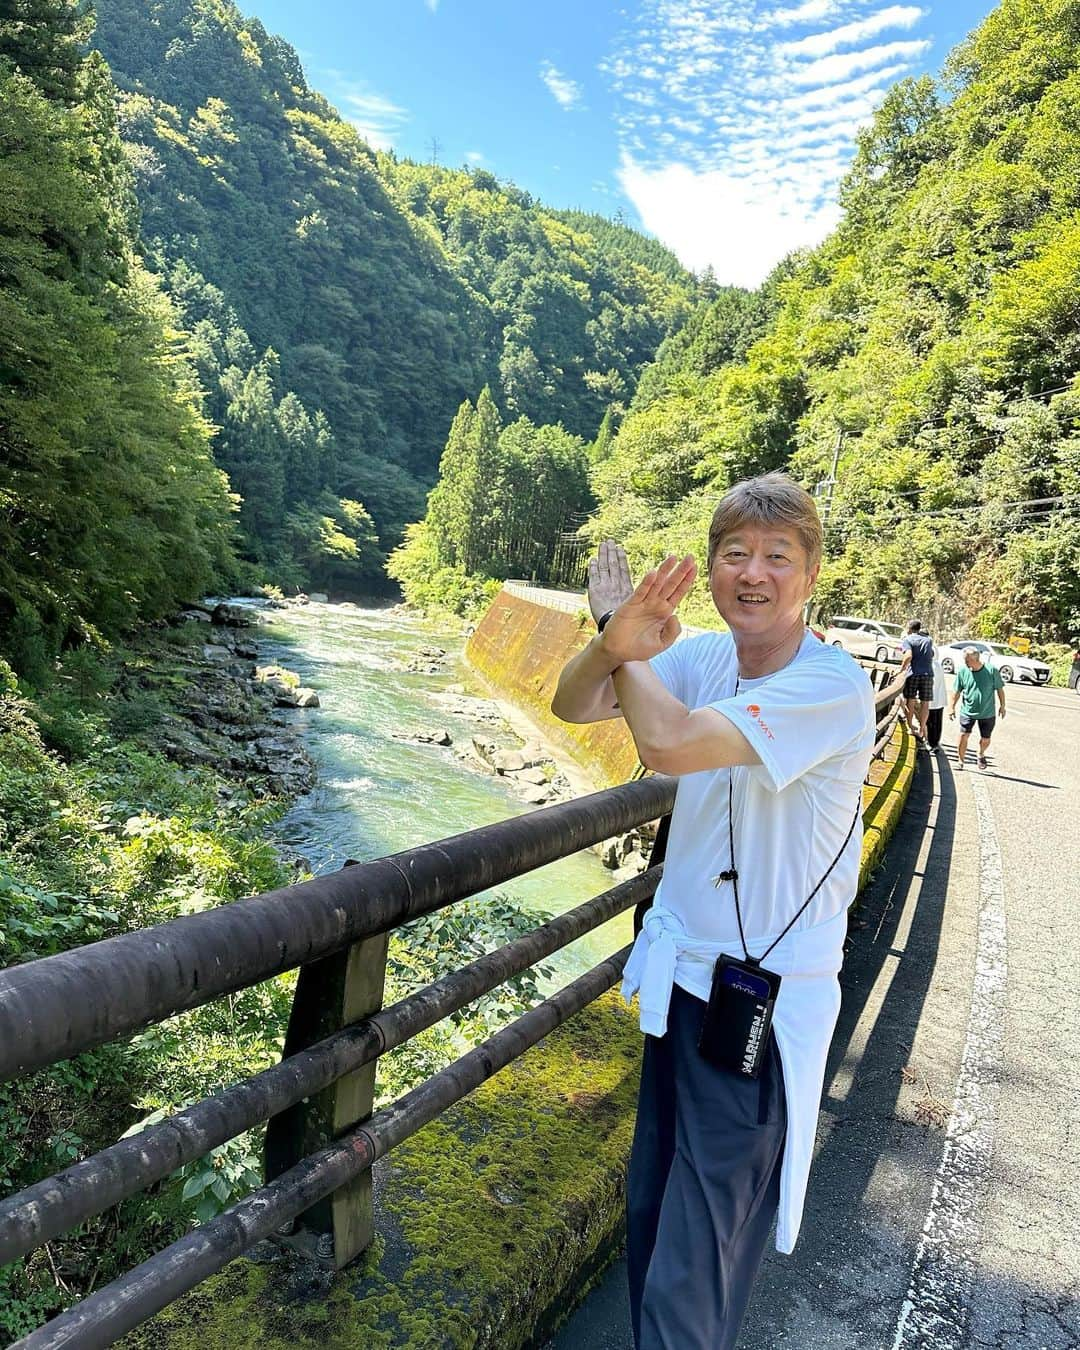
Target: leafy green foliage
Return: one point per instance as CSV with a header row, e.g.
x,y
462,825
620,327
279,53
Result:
x,y
437,944
504,497
112,506
936,330
577,304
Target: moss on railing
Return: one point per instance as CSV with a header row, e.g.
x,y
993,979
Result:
x,y
486,1218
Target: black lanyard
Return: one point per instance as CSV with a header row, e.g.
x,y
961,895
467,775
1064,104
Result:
x,y
732,873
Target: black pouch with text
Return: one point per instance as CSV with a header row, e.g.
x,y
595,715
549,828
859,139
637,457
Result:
x,y
735,1032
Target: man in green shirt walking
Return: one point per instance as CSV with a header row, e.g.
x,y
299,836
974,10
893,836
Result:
x,y
974,686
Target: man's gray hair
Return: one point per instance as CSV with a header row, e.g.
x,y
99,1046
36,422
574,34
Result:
x,y
769,499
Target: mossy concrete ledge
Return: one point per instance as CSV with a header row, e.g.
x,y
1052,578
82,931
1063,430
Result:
x,y
884,797
489,1221
518,649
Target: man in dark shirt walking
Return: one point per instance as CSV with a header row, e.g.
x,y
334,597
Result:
x,y
918,661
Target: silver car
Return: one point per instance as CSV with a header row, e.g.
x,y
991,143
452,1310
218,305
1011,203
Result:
x,y
866,637
1011,665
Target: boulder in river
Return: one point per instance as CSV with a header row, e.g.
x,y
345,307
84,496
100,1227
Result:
x,y
507,761
484,750
435,736
234,616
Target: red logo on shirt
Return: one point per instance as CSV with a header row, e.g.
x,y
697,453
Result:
x,y
755,713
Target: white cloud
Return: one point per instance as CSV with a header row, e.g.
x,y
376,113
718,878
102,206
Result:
x,y
820,44
809,12
710,219
832,94
737,121
832,68
433,5
475,157
376,118
566,92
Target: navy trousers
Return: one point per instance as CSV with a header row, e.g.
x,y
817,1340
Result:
x,y
703,1188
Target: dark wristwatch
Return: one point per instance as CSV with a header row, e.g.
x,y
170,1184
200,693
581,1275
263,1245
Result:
x,y
601,622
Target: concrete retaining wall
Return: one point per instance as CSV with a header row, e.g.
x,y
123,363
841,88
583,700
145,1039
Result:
x,y
518,650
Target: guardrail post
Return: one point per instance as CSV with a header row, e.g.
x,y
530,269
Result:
x,y
330,994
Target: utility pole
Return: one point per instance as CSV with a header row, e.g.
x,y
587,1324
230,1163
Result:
x,y
828,484
825,488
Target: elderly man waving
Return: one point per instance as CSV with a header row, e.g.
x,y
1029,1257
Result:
x,y
770,733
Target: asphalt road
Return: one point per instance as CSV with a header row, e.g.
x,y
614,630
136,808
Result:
x,y
944,1207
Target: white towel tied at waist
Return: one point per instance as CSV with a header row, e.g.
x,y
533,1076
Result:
x,y
650,969
806,1009
663,945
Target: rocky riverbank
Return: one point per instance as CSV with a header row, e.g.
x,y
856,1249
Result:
x,y
512,748
225,711
231,713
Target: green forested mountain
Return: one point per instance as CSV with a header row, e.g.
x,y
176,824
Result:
x,y
936,333
343,305
112,508
579,304
333,339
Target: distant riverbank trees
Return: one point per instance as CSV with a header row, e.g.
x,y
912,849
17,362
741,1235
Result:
x,y
505,496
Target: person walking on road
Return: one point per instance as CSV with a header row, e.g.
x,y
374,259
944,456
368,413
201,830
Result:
x,y
918,661
974,686
938,700
770,734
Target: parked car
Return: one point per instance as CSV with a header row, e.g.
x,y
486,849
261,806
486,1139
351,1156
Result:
x,y
866,637
1010,664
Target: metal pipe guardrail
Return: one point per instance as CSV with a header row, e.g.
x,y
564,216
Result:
x,y
58,1006
45,1210
103,1317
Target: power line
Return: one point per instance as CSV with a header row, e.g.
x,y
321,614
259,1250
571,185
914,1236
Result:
x,y
1028,508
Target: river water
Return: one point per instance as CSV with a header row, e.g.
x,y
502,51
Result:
x,y
376,794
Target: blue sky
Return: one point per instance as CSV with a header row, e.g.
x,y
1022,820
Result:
x,y
721,126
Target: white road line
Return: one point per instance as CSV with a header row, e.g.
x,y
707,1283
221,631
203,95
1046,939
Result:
x,y
934,1314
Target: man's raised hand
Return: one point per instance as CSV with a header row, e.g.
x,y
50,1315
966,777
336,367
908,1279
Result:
x,y
644,625
609,579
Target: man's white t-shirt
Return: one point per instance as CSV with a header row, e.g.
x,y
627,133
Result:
x,y
812,723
